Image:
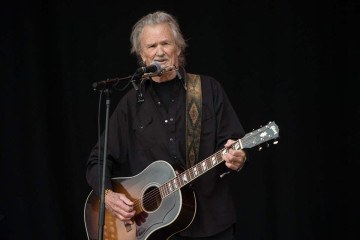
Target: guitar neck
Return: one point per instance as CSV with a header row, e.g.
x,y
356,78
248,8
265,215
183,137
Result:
x,y
195,171
254,138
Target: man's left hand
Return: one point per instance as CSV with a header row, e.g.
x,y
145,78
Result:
x,y
234,159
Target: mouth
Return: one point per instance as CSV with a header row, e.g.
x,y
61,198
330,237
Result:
x,y
161,61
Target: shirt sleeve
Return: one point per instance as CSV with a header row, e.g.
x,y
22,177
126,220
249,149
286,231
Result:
x,y
115,151
228,123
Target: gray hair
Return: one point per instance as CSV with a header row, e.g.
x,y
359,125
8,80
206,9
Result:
x,y
154,19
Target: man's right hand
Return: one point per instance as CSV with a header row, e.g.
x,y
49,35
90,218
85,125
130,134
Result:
x,y
120,206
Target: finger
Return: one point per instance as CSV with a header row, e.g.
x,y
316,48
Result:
x,y
123,211
126,201
126,217
126,214
232,164
229,143
229,165
236,153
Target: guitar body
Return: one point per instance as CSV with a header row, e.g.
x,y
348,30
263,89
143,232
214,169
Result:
x,y
166,216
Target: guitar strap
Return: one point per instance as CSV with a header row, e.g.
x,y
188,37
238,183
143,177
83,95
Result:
x,y
193,118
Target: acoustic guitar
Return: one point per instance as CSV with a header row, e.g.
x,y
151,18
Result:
x,y
159,193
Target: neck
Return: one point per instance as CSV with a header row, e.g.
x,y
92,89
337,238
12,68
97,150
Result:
x,y
165,77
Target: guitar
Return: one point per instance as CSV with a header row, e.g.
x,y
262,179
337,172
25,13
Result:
x,y
158,192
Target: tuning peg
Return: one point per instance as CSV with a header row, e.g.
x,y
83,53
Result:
x,y
276,142
260,148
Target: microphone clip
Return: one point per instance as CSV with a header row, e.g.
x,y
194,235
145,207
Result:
x,y
139,95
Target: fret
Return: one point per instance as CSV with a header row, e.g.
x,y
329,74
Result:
x,y
201,170
207,164
161,192
165,190
196,170
187,176
191,175
237,146
180,181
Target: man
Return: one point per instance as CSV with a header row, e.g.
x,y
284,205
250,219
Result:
x,y
141,133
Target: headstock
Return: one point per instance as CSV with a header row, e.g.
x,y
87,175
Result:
x,y
261,136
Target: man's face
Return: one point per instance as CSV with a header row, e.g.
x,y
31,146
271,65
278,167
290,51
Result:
x,y
158,44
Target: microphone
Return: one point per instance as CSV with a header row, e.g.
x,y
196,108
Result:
x,y
153,67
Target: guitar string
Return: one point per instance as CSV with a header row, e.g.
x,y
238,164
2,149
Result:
x,y
152,196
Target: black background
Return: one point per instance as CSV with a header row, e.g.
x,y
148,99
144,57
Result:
x,y
292,62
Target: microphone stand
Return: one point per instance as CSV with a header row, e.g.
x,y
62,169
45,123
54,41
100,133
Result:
x,y
106,85
102,195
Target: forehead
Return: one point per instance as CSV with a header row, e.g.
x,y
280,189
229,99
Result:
x,y
156,33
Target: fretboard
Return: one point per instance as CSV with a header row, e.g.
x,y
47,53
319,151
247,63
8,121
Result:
x,y
195,171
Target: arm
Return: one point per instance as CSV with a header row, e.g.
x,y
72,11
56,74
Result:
x,y
229,127
116,203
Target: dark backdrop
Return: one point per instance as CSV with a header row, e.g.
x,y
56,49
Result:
x,y
292,62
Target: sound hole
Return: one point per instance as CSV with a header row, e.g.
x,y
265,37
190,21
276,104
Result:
x,y
151,199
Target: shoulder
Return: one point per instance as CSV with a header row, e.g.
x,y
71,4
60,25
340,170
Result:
x,y
206,79
125,102
210,83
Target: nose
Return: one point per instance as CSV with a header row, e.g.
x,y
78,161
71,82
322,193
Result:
x,y
160,51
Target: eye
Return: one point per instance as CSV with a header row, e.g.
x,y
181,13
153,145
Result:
x,y
151,46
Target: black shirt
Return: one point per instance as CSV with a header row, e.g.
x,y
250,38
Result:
x,y
166,90
140,134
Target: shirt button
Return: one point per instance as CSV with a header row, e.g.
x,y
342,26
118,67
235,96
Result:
x,y
171,139
171,119
159,103
167,120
